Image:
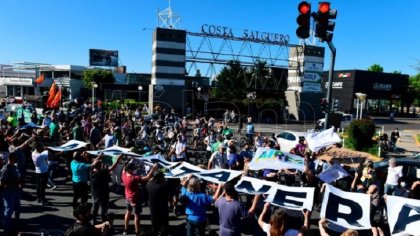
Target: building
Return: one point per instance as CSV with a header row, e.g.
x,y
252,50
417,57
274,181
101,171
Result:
x,y
385,91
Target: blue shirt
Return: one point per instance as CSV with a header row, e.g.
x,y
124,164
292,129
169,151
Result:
x,y
80,171
196,206
249,128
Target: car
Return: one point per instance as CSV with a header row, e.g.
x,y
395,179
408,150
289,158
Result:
x,y
346,119
289,139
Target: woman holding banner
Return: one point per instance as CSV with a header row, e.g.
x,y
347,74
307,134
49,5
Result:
x,y
196,203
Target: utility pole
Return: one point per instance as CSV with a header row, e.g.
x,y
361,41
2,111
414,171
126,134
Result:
x,y
330,80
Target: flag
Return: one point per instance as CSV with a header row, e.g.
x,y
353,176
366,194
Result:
x,y
319,140
51,94
333,173
40,79
57,98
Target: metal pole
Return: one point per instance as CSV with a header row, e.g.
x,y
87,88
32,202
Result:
x,y
361,109
357,109
330,80
93,96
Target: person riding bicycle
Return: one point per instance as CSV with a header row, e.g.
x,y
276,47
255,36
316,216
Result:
x,y
395,135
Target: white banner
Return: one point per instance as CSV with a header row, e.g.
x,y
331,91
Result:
x,y
114,150
349,210
403,215
69,146
182,170
266,158
218,176
333,173
319,140
294,198
154,159
253,186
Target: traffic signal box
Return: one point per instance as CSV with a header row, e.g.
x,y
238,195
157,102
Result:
x,y
304,20
324,25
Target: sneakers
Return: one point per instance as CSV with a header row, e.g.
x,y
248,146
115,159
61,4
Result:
x,y
125,232
53,187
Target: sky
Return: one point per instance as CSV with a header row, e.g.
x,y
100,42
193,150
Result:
x,y
56,32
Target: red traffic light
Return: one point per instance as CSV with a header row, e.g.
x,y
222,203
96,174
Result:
x,y
304,7
324,7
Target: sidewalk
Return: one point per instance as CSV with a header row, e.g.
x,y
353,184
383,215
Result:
x,y
408,142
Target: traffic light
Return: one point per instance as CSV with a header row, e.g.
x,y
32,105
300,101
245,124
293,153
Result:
x,y
336,105
324,105
304,20
324,25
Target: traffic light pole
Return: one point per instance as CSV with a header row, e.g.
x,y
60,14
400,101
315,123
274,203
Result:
x,y
330,80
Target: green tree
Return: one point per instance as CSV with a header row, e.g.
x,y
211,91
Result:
x,y
360,134
97,76
376,68
230,84
414,89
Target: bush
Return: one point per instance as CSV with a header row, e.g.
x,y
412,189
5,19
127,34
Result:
x,y
360,134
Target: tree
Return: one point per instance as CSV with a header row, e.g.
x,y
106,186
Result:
x,y
414,89
230,83
376,68
97,76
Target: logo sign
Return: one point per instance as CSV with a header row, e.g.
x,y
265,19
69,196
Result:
x,y
311,77
383,87
344,75
252,35
311,87
335,85
313,66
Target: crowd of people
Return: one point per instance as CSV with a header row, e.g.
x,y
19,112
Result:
x,y
166,133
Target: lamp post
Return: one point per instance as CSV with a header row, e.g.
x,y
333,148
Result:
x,y
94,85
362,98
205,98
140,88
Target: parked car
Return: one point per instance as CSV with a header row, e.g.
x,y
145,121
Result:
x,y
289,139
346,119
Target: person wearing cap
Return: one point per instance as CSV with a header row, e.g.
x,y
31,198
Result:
x,y
218,160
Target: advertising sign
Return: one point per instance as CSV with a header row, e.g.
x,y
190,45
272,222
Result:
x,y
311,87
99,57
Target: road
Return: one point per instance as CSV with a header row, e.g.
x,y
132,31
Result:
x,y
58,216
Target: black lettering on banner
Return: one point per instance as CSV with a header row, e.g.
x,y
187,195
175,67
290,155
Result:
x,y
186,171
203,27
281,198
222,176
404,218
247,185
333,214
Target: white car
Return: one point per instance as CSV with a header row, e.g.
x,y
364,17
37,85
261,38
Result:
x,y
289,139
345,121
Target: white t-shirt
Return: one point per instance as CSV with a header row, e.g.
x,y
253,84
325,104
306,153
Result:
x,y
394,173
40,161
290,232
178,149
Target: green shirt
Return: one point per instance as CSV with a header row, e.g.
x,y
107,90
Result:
x,y
53,129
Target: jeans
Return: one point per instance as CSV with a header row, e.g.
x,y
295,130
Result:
x,y
41,184
51,169
100,199
196,228
80,190
389,189
11,200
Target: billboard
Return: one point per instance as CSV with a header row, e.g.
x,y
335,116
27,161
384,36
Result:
x,y
99,57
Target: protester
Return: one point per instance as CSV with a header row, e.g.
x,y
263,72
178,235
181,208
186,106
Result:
x,y
394,174
83,227
40,159
196,203
131,183
230,211
158,202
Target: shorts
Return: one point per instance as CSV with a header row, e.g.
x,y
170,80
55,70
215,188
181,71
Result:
x,y
137,207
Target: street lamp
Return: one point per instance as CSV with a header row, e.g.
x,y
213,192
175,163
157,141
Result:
x,y
140,88
361,97
206,98
94,85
